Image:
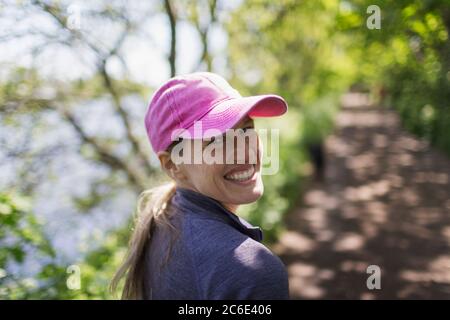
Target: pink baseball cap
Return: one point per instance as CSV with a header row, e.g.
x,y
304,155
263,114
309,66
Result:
x,y
202,96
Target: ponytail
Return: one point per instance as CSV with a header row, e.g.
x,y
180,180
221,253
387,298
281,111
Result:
x,y
152,208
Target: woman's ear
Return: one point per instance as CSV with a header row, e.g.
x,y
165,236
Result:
x,y
169,167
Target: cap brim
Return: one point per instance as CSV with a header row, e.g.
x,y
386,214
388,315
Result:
x,y
226,114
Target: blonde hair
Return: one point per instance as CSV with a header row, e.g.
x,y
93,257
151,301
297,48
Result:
x,y
153,209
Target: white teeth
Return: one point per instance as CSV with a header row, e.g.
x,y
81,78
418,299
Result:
x,y
242,175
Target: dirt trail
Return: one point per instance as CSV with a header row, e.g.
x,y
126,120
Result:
x,y
385,201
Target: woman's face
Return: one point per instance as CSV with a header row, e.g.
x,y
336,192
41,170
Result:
x,y
228,182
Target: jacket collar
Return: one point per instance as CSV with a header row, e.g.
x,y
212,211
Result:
x,y
197,203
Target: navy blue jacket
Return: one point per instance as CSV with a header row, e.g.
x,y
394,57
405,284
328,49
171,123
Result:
x,y
216,255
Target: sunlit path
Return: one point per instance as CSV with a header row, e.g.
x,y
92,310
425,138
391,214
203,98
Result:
x,y
385,201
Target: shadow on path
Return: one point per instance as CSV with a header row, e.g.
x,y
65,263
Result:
x,y
385,200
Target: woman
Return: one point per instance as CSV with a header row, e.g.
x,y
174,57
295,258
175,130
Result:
x,y
188,241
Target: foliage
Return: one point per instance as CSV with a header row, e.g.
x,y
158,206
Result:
x,y
20,235
407,62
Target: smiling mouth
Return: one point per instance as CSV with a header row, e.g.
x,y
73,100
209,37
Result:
x,y
241,175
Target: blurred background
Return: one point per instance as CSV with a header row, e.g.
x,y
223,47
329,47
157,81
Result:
x,y
364,154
